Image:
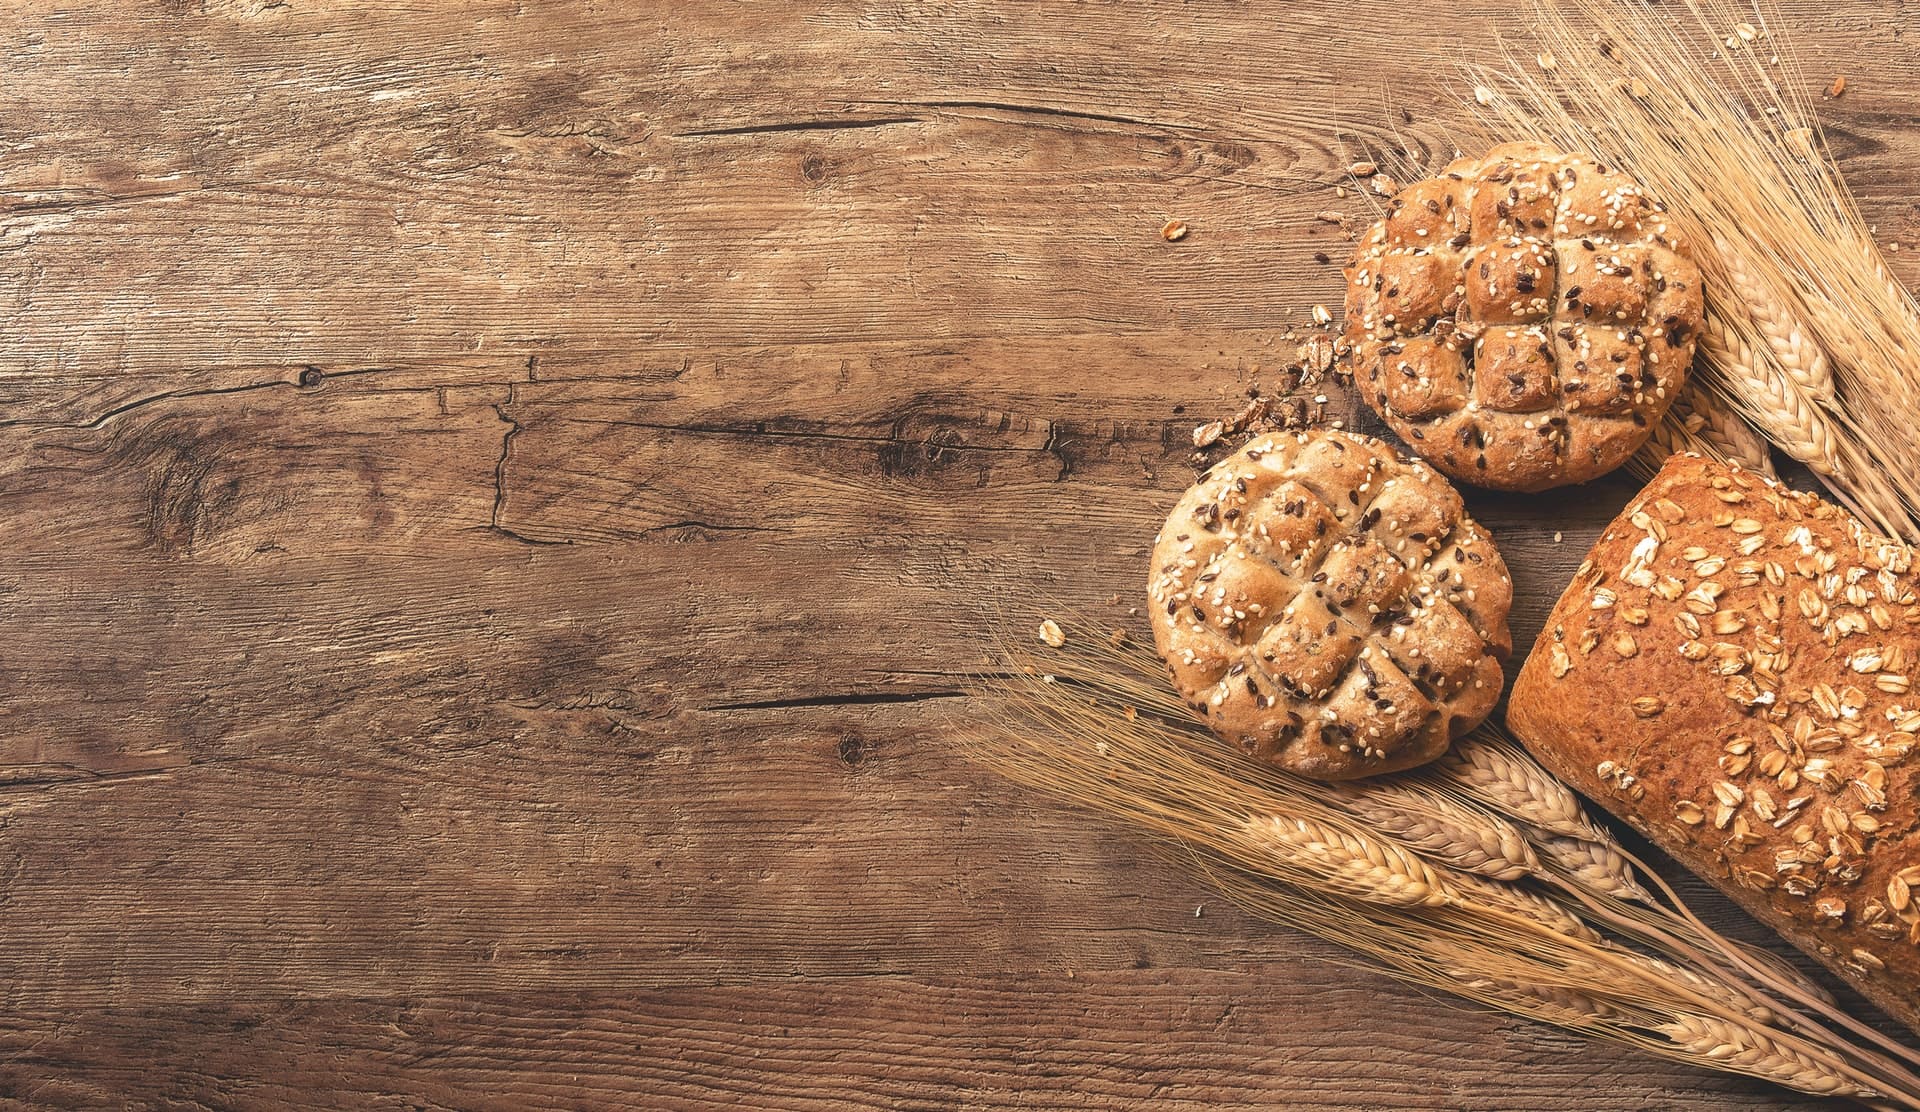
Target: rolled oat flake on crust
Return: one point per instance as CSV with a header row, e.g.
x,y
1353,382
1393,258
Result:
x,y
1779,642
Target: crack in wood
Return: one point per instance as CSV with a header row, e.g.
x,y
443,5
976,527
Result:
x,y
1040,110
141,403
75,774
1053,448
308,377
500,475
709,526
38,202
842,699
894,436
798,125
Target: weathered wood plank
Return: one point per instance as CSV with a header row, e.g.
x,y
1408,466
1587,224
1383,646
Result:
x,y
368,191
498,497
1053,1039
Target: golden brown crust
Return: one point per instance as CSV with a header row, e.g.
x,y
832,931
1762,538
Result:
x,y
1524,319
1729,672
1329,607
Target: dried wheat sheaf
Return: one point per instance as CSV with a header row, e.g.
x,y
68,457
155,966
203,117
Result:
x,y
1482,875
1808,336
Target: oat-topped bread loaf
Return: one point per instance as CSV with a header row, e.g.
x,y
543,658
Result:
x,y
1730,673
1329,607
1524,319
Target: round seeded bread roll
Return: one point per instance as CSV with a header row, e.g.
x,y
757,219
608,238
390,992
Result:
x,y
1524,319
1329,607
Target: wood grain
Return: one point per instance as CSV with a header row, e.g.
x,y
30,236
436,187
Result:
x,y
500,500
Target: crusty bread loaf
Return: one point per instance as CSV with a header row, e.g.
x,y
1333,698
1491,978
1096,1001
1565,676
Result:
x,y
1729,673
1330,607
1523,319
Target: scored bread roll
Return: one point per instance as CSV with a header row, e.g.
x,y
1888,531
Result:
x,y
1523,319
1329,607
1730,673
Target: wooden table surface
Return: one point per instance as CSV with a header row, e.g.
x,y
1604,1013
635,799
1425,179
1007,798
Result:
x,y
499,500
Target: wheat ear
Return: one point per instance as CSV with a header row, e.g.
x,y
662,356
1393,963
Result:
x,y
1669,437
1895,289
1758,1053
1772,400
1550,1003
1453,833
1594,865
1698,423
1508,780
1478,892
1795,352
1714,988
1725,431
1843,337
1348,863
1799,427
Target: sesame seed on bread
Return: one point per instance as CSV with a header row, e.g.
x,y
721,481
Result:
x,y
1524,319
1330,607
